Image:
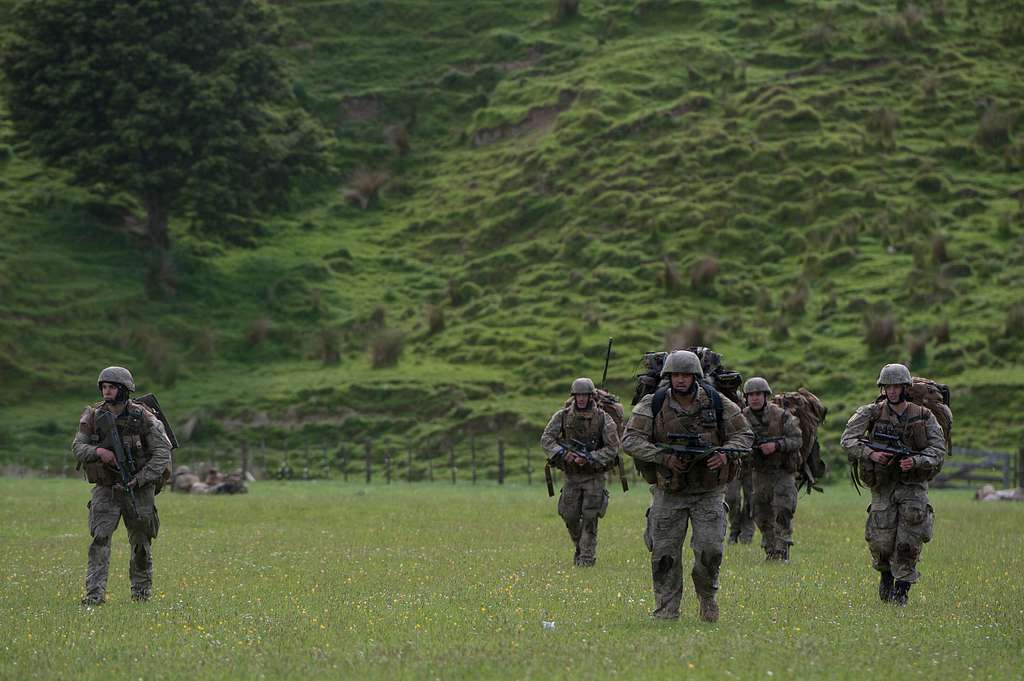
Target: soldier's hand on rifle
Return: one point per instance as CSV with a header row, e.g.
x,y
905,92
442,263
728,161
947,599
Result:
x,y
880,457
677,465
768,448
106,456
717,460
906,464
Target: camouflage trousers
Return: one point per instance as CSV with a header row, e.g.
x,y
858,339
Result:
x,y
582,502
106,508
775,496
739,495
899,524
667,521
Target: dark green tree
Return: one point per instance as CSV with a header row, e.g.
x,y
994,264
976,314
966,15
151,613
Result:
x,y
183,104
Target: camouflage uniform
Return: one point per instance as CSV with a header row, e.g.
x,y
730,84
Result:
x,y
775,491
143,433
696,497
900,518
584,497
739,496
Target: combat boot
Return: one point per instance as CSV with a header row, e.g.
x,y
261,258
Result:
x,y
784,555
586,562
885,587
93,601
899,593
142,595
708,608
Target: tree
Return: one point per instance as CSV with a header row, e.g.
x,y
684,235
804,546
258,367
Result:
x,y
183,104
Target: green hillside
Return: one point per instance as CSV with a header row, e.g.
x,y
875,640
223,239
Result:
x,y
767,177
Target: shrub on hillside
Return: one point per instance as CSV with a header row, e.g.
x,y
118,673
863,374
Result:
x,y
671,279
386,348
703,272
379,315
941,332
939,251
995,126
364,187
880,332
566,9
688,335
1015,320
328,346
821,37
206,344
884,123
917,346
939,11
796,302
398,137
435,319
258,331
891,28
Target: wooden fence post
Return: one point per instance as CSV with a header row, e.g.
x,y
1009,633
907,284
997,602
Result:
x,y
472,456
529,469
387,468
501,461
430,468
451,461
344,464
408,466
369,462
245,460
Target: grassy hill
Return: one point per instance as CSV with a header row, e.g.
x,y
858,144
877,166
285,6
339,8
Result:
x,y
813,188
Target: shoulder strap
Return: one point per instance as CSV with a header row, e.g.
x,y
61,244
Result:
x,y
716,402
659,401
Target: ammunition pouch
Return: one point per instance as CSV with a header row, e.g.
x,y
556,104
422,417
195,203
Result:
x,y
98,473
699,477
648,471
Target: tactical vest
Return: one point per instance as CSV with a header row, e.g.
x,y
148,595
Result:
x,y
586,426
130,426
769,425
912,431
703,421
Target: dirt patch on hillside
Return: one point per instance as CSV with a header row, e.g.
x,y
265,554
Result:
x,y
539,120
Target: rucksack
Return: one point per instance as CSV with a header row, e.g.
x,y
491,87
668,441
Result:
x,y
721,379
810,412
935,397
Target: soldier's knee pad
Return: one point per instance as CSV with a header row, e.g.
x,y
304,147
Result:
x,y
101,540
711,559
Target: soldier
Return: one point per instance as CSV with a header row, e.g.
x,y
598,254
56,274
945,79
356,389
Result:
x,y
775,460
685,491
899,519
143,437
739,497
583,441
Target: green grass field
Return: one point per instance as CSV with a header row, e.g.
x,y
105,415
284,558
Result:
x,y
328,580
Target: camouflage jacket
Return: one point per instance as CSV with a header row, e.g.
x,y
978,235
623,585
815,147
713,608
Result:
x,y
591,426
141,432
774,424
645,430
917,428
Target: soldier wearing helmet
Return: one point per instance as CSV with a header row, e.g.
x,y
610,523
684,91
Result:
x,y
900,518
583,441
775,460
143,438
686,493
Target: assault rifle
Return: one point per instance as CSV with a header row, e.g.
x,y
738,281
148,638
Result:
x,y
124,462
692,449
891,444
580,449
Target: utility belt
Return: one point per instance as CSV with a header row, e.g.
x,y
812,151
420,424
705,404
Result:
x,y
99,473
874,474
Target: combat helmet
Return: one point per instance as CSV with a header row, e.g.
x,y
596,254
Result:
x,y
583,386
118,375
756,385
894,374
682,362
